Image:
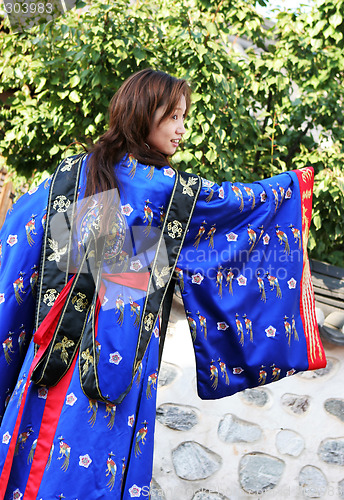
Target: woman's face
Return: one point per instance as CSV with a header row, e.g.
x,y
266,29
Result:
x,y
165,136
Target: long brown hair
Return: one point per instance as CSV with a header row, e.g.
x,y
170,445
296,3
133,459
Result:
x,y
131,113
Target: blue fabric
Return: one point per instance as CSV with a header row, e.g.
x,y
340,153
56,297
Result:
x,y
113,458
246,330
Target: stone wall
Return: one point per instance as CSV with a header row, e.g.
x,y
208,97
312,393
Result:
x,y
285,440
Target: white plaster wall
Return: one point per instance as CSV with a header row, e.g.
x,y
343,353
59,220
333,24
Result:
x,y
315,425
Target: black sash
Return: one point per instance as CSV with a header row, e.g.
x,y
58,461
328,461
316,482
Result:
x,y
54,271
76,324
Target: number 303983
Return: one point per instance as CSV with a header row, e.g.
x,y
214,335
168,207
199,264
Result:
x,y
28,8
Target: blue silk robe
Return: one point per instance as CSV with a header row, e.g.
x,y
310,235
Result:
x,y
245,282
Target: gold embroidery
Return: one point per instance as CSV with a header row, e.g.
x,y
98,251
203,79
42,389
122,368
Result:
x,y
61,203
50,296
305,223
307,174
132,162
57,253
174,229
69,162
186,186
159,275
148,321
151,171
88,360
63,345
80,302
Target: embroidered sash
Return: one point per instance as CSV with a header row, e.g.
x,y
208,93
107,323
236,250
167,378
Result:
x,y
76,325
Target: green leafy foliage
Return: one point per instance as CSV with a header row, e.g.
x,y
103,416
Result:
x,y
274,106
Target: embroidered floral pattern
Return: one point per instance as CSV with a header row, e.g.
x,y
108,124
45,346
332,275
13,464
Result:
x,y
126,209
263,197
115,358
266,239
231,236
6,438
71,399
42,392
169,172
136,265
85,461
291,283
197,278
242,281
237,370
12,239
288,194
222,326
270,331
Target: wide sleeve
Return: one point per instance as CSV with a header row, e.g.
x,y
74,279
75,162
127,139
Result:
x,y
20,246
246,285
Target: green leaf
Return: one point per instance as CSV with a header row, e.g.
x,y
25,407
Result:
x,y
211,156
74,81
196,97
255,87
41,84
139,54
186,156
317,221
211,27
197,139
336,20
19,74
96,80
62,95
74,96
54,150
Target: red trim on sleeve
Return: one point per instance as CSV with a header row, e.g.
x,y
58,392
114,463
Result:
x,y
315,350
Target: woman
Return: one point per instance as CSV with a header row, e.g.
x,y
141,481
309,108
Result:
x,y
110,234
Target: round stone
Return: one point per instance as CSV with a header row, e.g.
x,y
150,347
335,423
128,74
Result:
x,y
234,430
193,461
333,327
295,403
289,442
312,482
331,451
208,495
330,368
259,472
167,374
177,417
335,407
336,320
320,316
257,397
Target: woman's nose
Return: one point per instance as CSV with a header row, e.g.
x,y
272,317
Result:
x,y
181,129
